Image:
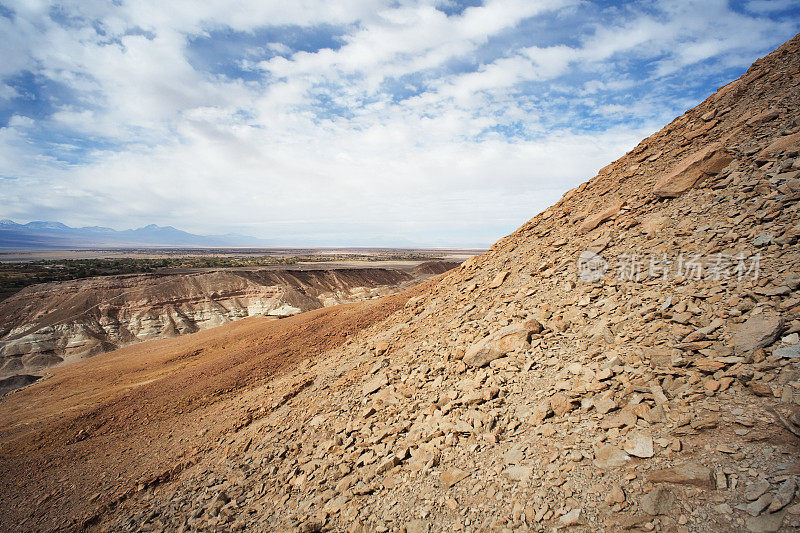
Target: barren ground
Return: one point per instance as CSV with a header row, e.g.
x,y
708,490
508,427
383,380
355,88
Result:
x,y
94,431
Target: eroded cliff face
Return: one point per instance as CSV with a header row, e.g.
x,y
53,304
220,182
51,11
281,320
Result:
x,y
48,324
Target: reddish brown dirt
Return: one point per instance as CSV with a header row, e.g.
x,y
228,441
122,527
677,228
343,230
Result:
x,y
78,442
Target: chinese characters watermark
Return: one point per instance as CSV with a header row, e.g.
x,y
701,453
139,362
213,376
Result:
x,y
638,267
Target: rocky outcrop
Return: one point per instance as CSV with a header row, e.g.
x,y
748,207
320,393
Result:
x,y
47,324
595,220
692,170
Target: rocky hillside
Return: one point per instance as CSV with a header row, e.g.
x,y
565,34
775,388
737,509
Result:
x,y
46,324
627,360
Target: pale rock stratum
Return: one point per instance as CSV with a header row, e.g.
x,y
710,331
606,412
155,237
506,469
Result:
x,y
51,323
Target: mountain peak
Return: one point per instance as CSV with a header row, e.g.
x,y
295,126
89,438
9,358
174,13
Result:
x,y
47,224
51,234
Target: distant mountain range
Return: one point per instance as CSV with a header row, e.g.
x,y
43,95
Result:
x,y
46,234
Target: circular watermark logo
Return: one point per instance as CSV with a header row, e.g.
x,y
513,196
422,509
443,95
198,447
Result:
x,y
591,266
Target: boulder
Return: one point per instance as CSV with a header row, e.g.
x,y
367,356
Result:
x,y
605,405
790,352
417,526
496,345
778,146
766,523
562,404
685,474
592,221
452,476
609,456
757,332
572,518
755,490
655,223
540,411
708,115
533,325
658,501
784,496
640,444
763,239
764,117
519,472
381,347
498,279
692,170
615,495
758,506
374,384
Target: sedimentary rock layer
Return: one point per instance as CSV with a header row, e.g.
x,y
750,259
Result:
x,y
46,324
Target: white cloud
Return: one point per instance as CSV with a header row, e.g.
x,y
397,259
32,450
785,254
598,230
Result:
x,y
20,122
319,148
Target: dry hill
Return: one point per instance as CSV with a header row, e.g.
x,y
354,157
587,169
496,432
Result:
x,y
627,360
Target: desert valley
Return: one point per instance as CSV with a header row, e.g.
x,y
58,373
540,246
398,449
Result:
x,y
47,324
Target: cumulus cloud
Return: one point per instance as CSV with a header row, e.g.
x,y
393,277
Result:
x,y
358,122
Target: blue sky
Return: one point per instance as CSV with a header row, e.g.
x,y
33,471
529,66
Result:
x,y
360,122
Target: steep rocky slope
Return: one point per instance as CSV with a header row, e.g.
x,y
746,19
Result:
x,y
46,324
571,377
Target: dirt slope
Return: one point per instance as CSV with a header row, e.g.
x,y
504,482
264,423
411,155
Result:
x,y
102,426
521,392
